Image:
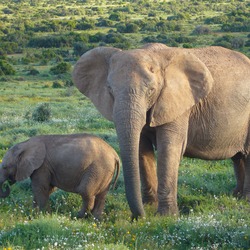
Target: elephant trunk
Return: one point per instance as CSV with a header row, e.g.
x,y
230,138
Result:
x,y
6,193
129,125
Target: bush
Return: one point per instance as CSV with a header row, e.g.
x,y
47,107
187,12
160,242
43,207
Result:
x,y
41,113
33,72
128,28
85,24
80,48
236,27
117,16
6,68
57,85
102,22
237,43
201,30
60,68
230,42
98,37
114,38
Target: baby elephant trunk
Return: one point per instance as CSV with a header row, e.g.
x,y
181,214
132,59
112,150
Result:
x,y
4,193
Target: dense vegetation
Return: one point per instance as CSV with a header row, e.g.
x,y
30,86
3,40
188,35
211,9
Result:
x,y
40,40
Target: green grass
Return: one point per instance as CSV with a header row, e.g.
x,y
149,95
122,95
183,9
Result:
x,y
209,218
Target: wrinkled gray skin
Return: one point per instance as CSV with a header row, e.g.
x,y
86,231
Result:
x,y
80,163
179,101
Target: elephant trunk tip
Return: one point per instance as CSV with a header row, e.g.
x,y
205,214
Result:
x,y
4,193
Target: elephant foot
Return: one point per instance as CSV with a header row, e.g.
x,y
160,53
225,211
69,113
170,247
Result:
x,y
168,210
81,215
97,215
246,196
238,192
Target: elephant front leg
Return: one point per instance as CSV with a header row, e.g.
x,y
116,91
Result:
x,y
148,171
41,191
40,196
239,170
171,143
246,189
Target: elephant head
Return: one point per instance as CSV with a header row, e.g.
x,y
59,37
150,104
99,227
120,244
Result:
x,y
153,85
20,162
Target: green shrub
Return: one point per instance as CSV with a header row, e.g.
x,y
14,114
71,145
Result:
x,y
33,72
41,113
201,30
57,85
60,68
116,16
6,68
80,48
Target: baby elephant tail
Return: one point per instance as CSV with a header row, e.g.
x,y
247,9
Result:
x,y
117,166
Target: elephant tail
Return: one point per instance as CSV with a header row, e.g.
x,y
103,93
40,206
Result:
x,y
117,169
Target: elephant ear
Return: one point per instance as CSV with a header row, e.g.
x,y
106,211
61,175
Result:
x,y
187,80
90,77
30,156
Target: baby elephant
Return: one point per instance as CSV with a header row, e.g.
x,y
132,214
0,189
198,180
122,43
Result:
x,y
79,163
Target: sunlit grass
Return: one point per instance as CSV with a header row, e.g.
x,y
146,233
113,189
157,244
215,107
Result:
x,y
207,220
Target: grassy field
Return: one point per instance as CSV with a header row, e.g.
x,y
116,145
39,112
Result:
x,y
210,217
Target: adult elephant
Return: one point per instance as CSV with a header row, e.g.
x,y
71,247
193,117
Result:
x,y
175,100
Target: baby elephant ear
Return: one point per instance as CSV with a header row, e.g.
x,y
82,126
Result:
x,y
90,77
31,155
187,81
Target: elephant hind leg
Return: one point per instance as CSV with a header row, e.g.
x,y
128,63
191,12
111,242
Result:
x,y
99,204
239,170
87,207
246,188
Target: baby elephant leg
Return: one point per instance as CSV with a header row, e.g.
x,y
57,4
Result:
x,y
99,204
41,191
40,196
87,206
